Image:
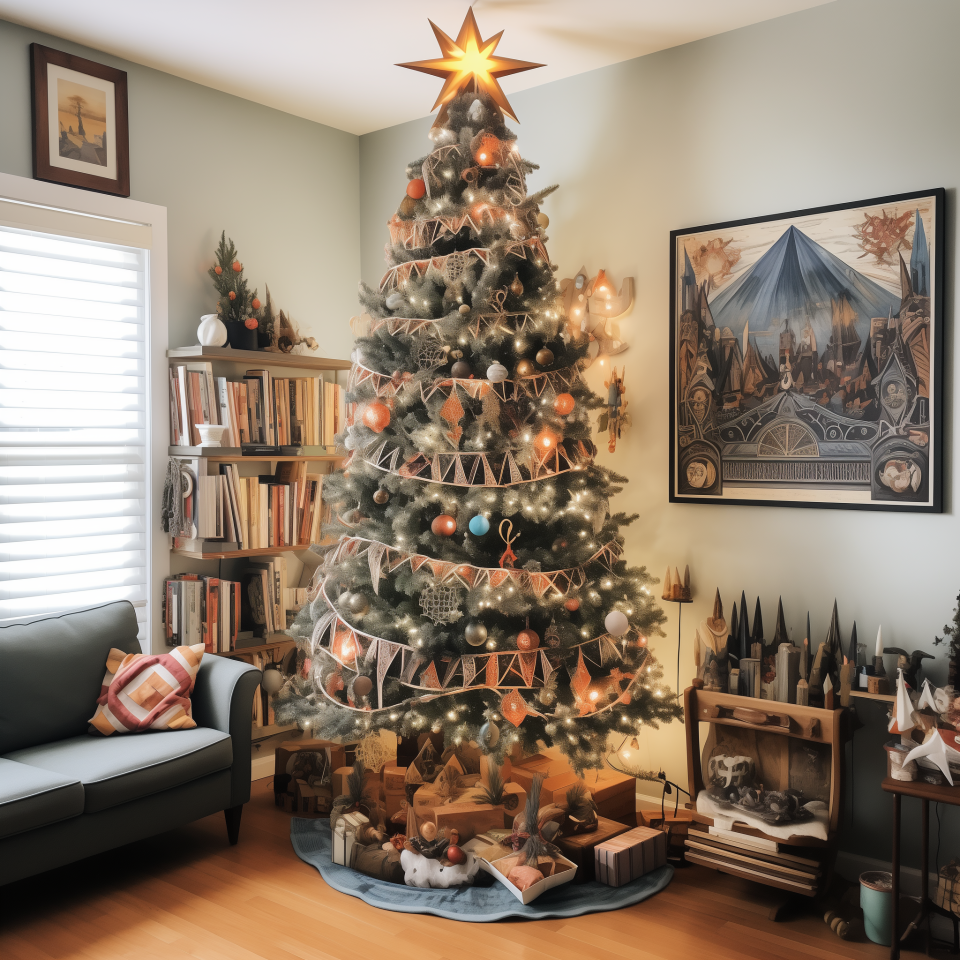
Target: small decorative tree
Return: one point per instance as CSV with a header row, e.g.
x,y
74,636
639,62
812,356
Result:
x,y
952,630
237,306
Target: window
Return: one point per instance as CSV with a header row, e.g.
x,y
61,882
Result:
x,y
74,412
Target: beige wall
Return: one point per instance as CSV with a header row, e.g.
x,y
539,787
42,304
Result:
x,y
851,100
285,189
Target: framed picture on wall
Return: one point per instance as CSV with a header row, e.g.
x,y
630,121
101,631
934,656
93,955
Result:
x,y
806,357
79,122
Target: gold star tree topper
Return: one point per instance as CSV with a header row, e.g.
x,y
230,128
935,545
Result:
x,y
468,63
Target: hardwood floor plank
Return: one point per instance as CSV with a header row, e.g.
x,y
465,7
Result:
x,y
188,895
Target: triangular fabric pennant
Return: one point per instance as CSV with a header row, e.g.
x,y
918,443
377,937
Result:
x,y
469,670
513,707
546,666
375,559
371,654
320,628
411,664
528,666
429,677
580,679
451,671
493,673
387,653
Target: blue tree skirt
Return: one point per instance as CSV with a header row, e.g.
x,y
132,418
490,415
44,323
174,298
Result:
x,y
477,904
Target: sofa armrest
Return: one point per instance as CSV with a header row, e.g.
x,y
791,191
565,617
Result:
x,y
223,699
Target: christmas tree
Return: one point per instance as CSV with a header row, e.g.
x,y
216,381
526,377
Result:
x,y
477,584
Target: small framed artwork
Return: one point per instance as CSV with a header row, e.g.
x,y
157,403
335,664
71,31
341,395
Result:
x,y
79,122
806,357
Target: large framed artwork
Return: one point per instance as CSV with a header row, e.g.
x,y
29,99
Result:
x,y
79,122
806,357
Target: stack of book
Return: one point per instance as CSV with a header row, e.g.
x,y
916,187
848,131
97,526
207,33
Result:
x,y
265,596
201,610
262,714
227,512
259,409
754,858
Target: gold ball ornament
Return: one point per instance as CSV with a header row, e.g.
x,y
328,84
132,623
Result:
x,y
545,357
564,404
528,640
516,287
381,496
525,368
543,220
376,416
464,308
407,207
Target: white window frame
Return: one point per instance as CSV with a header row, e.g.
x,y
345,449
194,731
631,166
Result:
x,y
132,211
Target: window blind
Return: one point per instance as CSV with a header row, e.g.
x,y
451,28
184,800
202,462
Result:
x,y
73,424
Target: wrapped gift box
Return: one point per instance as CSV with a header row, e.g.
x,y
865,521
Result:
x,y
373,861
394,777
631,855
506,770
344,837
615,794
315,800
514,802
339,785
467,818
554,788
310,760
580,847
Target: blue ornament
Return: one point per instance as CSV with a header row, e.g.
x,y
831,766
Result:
x,y
479,525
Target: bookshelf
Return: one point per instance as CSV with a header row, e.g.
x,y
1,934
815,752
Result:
x,y
275,645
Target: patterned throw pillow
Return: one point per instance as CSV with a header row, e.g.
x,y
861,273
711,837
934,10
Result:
x,y
143,691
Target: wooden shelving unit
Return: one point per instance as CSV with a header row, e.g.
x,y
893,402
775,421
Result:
x,y
863,695
255,359
259,358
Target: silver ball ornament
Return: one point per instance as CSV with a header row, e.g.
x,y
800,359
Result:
x,y
464,308
358,604
497,373
488,737
272,678
475,633
616,623
394,301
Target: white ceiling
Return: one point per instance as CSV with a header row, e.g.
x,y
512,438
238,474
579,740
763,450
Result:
x,y
333,62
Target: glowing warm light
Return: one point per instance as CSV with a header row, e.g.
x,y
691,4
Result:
x,y
594,695
468,63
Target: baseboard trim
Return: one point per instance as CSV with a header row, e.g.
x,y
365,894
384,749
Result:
x,y
261,767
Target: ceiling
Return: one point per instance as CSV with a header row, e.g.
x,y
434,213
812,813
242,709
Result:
x,y
332,61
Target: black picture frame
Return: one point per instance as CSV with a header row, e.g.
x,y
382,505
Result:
x,y
739,442
92,161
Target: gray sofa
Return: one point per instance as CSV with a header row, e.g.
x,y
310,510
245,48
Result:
x,y
65,794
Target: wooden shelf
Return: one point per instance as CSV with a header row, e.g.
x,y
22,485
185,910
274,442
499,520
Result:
x,y
886,697
228,456
257,552
258,358
943,793
279,640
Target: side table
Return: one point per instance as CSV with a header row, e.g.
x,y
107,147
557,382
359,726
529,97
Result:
x,y
925,792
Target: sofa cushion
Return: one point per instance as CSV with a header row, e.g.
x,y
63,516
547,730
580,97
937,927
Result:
x,y
147,691
119,769
51,671
31,797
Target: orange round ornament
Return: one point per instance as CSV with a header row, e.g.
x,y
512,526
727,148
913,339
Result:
x,y
376,416
232,295
573,604
237,266
564,404
444,525
251,323
528,640
416,189
218,269
255,303
487,152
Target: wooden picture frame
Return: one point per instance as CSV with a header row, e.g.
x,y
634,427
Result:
x,y
93,150
806,357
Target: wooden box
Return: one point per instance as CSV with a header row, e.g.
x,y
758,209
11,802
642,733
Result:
x,y
630,855
339,785
615,794
554,788
467,818
305,760
579,848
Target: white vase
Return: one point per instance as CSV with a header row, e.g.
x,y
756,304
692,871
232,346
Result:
x,y
211,332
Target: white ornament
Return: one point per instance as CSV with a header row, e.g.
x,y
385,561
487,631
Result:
x,y
476,111
421,871
395,301
497,373
211,332
616,623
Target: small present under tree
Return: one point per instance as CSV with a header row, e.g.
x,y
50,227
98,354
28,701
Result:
x,y
477,585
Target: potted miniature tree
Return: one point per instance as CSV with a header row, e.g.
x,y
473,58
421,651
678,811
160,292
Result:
x,y
237,307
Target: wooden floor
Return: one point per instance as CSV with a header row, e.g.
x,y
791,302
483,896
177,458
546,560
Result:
x,y
189,894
